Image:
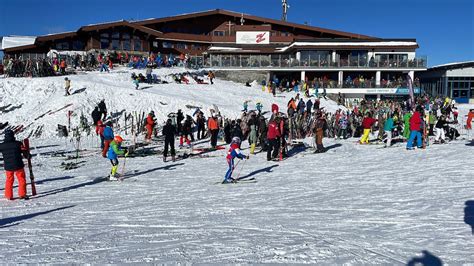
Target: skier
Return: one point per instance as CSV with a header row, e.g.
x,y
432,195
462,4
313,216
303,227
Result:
x,y
259,107
150,125
211,77
388,127
67,86
245,106
213,127
99,130
108,137
309,107
12,151
440,125
320,127
102,109
252,125
185,131
96,116
234,151
115,149
415,127
470,117
367,124
136,82
343,123
273,134
169,131
201,125
179,120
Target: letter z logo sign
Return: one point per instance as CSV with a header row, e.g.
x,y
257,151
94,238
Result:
x,y
260,37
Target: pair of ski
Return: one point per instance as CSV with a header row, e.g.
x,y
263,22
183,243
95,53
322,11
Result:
x,y
238,181
26,145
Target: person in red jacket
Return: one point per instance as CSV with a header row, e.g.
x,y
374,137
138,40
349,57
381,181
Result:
x,y
415,129
273,135
99,130
470,117
367,124
150,124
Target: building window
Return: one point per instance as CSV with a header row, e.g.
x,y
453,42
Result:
x,y
62,46
137,43
78,45
116,41
219,33
126,42
167,45
181,45
104,41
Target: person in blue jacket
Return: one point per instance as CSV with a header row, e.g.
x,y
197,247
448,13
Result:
x,y
108,137
234,152
112,154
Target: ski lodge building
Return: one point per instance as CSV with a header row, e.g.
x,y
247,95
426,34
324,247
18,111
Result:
x,y
349,63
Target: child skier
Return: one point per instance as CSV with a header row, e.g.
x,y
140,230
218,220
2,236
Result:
x,y
234,151
115,150
67,86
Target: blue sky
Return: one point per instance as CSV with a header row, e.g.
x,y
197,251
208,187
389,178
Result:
x,y
443,28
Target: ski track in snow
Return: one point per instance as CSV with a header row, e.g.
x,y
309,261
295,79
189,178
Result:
x,y
354,204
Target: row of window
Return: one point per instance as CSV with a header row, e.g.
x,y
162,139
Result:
x,y
461,78
120,41
66,45
180,45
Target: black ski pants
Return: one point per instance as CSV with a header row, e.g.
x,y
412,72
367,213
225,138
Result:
x,y
214,134
169,144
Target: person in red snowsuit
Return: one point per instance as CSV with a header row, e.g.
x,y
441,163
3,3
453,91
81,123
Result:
x,y
150,125
99,130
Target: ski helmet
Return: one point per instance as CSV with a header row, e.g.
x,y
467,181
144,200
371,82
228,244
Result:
x,y
236,140
118,139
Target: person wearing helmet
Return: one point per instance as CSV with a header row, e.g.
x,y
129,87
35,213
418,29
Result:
x,y
13,164
108,134
115,149
234,151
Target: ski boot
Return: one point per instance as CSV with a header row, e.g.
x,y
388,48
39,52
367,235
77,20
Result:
x,y
164,159
173,158
113,178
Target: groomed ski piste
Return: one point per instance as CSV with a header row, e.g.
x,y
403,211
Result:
x,y
351,205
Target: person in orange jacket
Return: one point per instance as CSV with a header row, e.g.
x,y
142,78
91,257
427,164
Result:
x,y
150,125
63,67
213,126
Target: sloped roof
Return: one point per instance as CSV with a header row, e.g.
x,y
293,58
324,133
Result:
x,y
120,23
256,18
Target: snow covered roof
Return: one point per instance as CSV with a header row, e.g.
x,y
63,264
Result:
x,y
217,48
453,65
338,44
16,41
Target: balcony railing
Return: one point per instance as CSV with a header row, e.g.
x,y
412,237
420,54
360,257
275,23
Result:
x,y
289,61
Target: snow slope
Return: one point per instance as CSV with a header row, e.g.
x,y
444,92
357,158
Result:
x,y
352,205
40,95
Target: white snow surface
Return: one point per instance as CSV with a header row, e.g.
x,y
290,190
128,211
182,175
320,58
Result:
x,y
353,205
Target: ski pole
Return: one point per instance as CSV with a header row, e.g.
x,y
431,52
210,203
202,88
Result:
x,y
241,168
